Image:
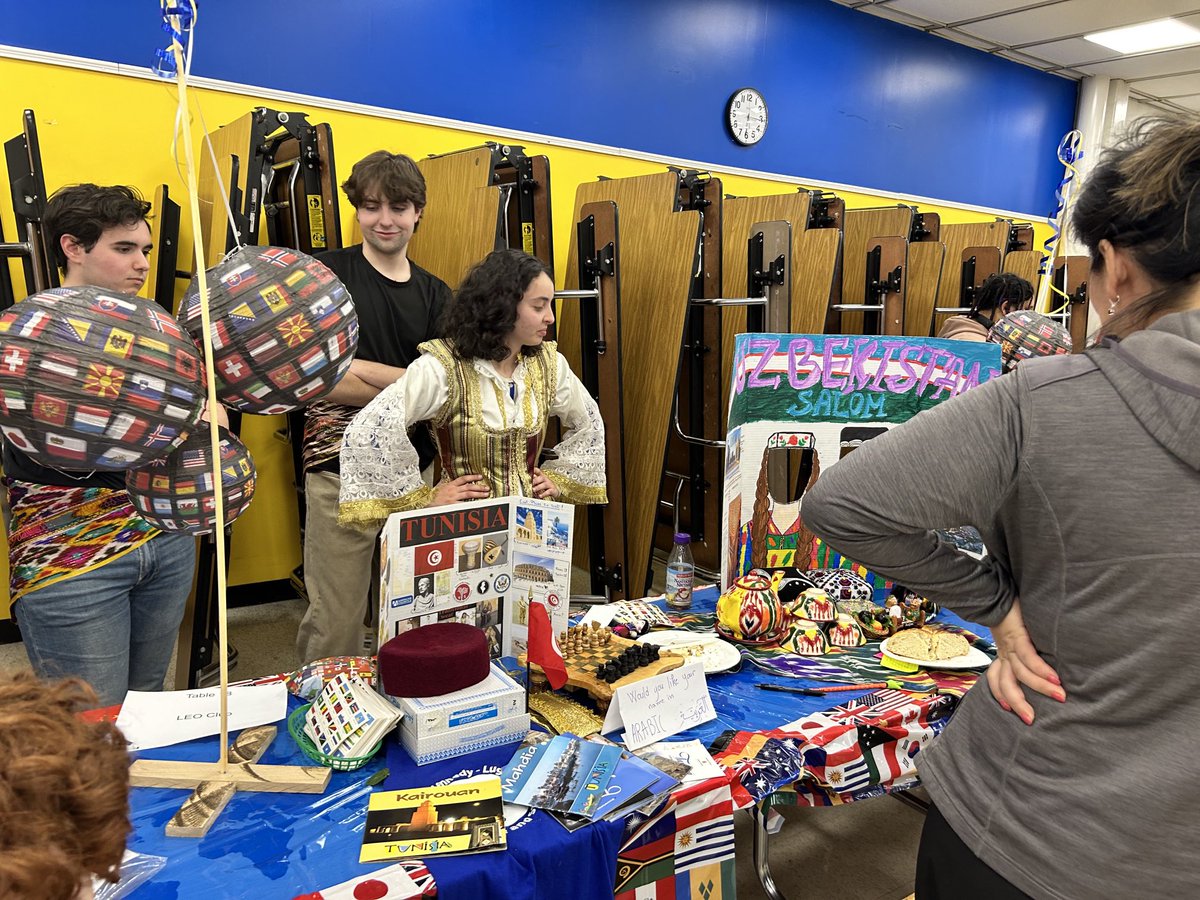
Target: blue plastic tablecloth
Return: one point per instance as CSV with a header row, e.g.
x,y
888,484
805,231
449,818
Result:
x,y
267,846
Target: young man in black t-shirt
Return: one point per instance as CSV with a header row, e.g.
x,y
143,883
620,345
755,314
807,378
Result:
x,y
399,305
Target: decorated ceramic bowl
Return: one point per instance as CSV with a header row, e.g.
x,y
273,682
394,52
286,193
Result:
x,y
749,610
805,638
815,604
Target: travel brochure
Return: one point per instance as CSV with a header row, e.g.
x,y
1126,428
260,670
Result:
x,y
580,781
460,817
481,562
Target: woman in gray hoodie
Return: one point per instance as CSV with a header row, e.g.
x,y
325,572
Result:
x,y
1073,769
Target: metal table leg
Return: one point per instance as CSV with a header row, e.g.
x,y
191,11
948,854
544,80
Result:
x,y
762,862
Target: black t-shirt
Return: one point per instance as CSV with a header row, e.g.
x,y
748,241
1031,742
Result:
x,y
394,317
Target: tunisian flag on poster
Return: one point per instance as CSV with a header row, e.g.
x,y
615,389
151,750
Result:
x,y
543,648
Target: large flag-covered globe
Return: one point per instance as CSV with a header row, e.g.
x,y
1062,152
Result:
x,y
283,328
176,492
95,379
1025,334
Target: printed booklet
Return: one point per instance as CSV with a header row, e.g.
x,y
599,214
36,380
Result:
x,y
460,817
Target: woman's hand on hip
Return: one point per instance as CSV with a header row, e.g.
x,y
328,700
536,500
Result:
x,y
1019,666
542,486
464,487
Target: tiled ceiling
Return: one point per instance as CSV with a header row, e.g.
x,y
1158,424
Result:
x,y
1048,35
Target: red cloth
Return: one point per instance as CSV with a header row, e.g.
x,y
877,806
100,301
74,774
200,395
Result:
x,y
433,660
543,648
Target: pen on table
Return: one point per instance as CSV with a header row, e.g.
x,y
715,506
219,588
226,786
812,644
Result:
x,y
821,691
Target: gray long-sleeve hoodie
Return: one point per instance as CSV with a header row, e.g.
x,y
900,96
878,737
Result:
x,y
1083,475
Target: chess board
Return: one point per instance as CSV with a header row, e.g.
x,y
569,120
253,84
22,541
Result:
x,y
585,650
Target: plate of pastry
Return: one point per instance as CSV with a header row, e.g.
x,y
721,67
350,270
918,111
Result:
x,y
714,654
933,648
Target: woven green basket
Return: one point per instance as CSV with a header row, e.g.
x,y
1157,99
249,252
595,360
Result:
x,y
337,763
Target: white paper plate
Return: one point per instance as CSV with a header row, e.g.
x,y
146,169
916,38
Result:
x,y
714,654
972,659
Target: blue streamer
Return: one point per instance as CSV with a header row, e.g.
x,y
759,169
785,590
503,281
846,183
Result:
x,y
1069,152
178,18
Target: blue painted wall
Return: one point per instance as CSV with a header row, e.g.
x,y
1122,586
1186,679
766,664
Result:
x,y
852,98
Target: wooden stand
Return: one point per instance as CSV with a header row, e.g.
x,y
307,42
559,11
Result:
x,y
213,785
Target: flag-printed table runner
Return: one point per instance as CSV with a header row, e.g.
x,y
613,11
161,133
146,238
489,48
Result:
x,y
862,748
684,851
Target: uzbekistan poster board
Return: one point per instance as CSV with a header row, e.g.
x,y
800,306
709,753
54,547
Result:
x,y
481,562
820,395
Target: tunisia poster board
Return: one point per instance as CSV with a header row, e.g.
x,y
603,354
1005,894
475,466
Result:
x,y
824,394
481,562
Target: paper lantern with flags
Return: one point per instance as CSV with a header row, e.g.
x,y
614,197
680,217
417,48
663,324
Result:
x,y
95,379
283,328
176,492
1025,334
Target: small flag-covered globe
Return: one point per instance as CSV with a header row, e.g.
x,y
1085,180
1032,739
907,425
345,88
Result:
x,y
95,379
176,492
283,328
1025,334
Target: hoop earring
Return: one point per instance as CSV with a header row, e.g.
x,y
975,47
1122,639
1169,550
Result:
x,y
1112,305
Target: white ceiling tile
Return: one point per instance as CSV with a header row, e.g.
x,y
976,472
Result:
x,y
961,37
1073,17
1169,62
1069,52
895,15
956,10
1169,86
1190,102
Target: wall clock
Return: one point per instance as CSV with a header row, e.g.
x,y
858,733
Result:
x,y
746,116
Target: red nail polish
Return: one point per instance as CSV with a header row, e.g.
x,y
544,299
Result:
x,y
1004,706
1027,719
1053,679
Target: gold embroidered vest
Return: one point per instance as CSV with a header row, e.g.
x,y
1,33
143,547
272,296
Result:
x,y
505,457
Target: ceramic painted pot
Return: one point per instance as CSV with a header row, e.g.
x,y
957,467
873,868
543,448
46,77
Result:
x,y
749,610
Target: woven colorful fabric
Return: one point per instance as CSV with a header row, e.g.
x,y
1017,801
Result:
x,y
324,425
825,557
57,532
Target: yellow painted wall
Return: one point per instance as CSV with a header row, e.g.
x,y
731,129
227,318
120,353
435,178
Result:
x,y
114,129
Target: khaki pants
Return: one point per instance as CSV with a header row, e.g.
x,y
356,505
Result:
x,y
341,575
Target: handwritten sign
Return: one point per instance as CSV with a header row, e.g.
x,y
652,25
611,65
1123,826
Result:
x,y
161,718
851,378
657,707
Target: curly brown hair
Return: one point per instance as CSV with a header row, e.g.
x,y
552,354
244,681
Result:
x,y
484,311
64,790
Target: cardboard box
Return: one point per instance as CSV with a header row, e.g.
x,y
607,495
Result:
x,y
496,697
466,739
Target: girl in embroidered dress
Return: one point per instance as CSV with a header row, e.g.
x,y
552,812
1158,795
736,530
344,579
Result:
x,y
486,391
